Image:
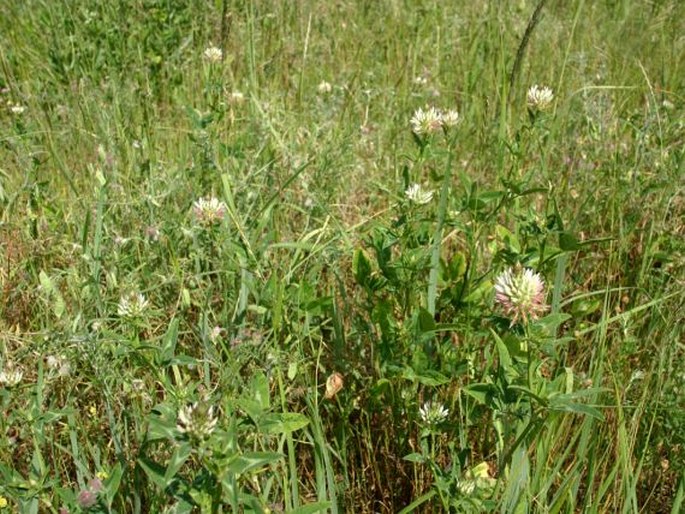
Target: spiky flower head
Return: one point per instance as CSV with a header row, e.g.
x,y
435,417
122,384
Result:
x,y
324,87
196,421
539,97
416,194
213,54
433,413
209,211
10,376
521,294
17,109
450,118
132,305
426,121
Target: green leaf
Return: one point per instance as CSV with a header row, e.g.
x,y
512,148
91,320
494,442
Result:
x,y
563,404
161,423
415,457
169,344
259,386
252,460
481,392
283,423
426,377
510,240
361,267
177,459
426,321
568,242
154,471
112,483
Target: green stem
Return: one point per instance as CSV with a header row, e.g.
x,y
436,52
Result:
x,y
437,236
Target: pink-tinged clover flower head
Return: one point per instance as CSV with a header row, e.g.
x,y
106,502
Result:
x,y
520,292
209,211
426,121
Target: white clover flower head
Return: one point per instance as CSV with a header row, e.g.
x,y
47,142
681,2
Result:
x,y
132,305
521,294
539,97
17,109
213,54
450,118
10,376
433,413
196,421
209,211
426,121
324,87
236,97
416,194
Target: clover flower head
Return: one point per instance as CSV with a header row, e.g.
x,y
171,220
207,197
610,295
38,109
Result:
x,y
209,211
521,294
433,413
236,97
213,54
324,87
416,194
86,499
426,121
539,97
196,421
132,305
450,118
10,376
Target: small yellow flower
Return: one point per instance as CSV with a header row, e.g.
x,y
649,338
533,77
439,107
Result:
x,y
93,410
102,475
3,502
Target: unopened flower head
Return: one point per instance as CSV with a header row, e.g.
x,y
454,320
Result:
x,y
236,97
450,118
416,194
521,294
132,305
209,211
433,413
196,421
539,97
86,499
10,376
213,54
324,87
216,333
334,384
426,121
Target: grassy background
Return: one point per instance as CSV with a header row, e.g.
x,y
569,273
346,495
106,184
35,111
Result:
x,y
126,125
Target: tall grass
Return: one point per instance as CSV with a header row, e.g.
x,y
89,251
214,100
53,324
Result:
x,y
280,351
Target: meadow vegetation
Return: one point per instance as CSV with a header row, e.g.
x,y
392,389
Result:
x,y
296,256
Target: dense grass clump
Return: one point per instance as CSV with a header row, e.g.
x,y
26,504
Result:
x,y
342,256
